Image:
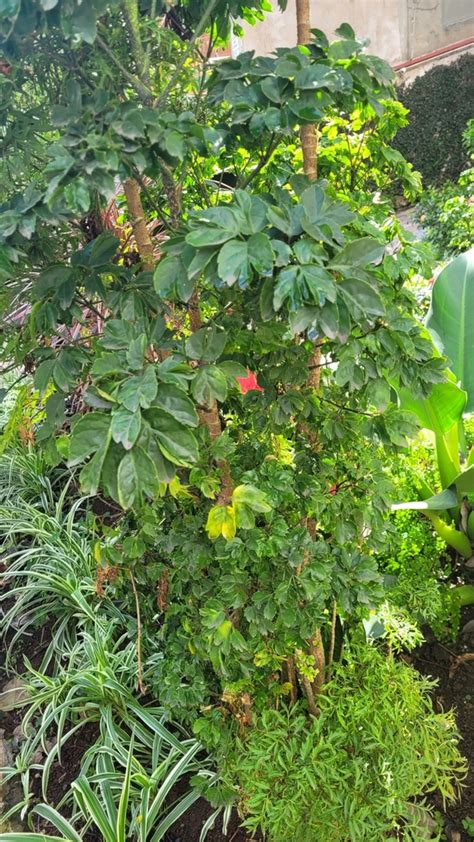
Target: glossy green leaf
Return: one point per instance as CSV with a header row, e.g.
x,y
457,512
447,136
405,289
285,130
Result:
x,y
364,296
209,385
450,319
206,344
139,390
88,435
446,499
176,442
125,427
174,401
358,253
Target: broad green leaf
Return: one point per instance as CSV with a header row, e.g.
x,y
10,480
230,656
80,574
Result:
x,y
88,435
177,443
221,521
136,352
139,390
89,478
252,497
450,319
363,295
358,253
438,412
233,263
109,364
446,499
206,344
210,384
174,401
103,249
167,274
128,483
125,427
260,254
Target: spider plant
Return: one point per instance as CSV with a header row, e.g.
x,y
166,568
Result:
x,y
125,787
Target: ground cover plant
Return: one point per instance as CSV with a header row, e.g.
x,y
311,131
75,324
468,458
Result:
x,y
213,349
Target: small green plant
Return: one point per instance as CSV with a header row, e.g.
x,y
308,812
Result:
x,y
352,773
125,786
447,215
468,823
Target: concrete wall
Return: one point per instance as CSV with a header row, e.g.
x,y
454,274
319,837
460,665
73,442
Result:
x,y
398,29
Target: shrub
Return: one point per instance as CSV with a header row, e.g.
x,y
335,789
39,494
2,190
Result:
x,y
447,215
439,103
352,773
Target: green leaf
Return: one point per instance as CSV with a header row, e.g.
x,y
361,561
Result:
x,y
136,352
210,384
103,249
139,390
174,401
446,499
358,253
121,825
438,412
233,263
128,483
43,375
260,254
363,295
125,427
107,365
177,444
251,497
169,271
206,344
89,478
450,319
53,817
89,434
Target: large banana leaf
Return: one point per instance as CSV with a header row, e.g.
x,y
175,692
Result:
x,y
451,319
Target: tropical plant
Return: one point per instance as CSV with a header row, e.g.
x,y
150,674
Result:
x,y
450,509
359,770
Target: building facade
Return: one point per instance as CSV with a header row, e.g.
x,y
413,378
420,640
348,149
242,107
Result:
x,y
411,34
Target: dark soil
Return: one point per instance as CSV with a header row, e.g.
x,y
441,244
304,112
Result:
x,y
455,689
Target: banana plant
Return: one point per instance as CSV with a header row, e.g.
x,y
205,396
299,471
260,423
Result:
x,y
449,321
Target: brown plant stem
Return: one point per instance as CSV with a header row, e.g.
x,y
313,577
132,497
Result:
x,y
291,669
308,690
308,134
317,651
137,218
209,416
333,634
141,685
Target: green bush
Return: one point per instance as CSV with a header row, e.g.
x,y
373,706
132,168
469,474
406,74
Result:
x,y
352,773
447,215
440,106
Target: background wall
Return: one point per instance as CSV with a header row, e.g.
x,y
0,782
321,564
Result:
x,y
398,29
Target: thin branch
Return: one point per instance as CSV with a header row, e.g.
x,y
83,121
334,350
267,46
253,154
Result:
x,y
197,34
263,161
144,93
347,408
332,642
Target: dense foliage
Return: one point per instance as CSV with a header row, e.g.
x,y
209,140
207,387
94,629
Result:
x,y
213,349
439,107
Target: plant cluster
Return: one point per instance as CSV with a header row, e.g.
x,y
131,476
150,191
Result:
x,y
439,108
219,371
447,215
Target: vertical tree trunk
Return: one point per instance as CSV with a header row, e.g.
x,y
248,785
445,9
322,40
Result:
x,y
307,133
309,146
137,218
